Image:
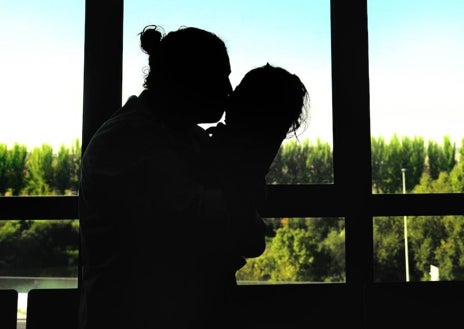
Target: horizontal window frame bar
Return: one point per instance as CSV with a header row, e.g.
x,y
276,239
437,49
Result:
x,y
39,207
305,200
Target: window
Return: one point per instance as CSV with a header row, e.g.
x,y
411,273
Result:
x,y
42,84
416,71
292,34
350,197
416,66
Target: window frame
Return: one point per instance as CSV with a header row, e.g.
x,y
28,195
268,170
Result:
x,y
350,196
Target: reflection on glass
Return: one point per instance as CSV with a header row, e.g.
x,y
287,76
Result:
x,y
416,69
41,81
299,250
292,34
433,244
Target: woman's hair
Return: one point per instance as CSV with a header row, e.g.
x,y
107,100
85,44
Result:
x,y
181,54
270,96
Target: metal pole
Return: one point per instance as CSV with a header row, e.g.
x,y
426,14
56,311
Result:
x,y
405,222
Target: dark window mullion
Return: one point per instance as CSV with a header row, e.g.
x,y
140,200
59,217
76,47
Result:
x,y
418,204
38,207
103,53
351,127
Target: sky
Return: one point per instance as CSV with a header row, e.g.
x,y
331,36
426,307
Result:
x,y
416,63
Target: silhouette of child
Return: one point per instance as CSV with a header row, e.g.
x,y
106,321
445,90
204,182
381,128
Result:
x,y
269,105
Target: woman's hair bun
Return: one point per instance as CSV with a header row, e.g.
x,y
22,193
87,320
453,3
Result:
x,y
150,38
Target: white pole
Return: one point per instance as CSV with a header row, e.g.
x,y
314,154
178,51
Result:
x,y
405,222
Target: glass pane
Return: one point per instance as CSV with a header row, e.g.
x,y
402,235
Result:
x,y
299,250
418,248
416,53
41,62
38,254
292,34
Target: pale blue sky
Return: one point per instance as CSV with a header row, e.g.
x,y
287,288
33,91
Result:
x,y
416,60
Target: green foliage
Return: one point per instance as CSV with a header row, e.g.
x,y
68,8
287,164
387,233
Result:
x,y
298,249
63,167
456,178
378,156
388,249
389,158
441,159
393,165
3,168
12,169
66,167
301,162
413,160
449,254
37,246
303,249
40,171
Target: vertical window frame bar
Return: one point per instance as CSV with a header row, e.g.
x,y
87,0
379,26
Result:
x,y
103,60
351,133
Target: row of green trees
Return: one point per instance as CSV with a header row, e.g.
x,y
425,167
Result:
x,y
308,163
40,171
298,249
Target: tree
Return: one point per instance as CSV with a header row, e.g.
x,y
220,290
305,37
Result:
x,y
75,166
40,172
319,162
62,170
38,247
457,173
441,159
302,163
3,169
66,169
449,254
413,160
303,249
389,158
438,240
378,156
16,169
388,249
391,181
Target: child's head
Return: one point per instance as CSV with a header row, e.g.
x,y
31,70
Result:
x,y
269,98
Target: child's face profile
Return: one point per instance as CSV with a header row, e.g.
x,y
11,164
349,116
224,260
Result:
x,y
268,99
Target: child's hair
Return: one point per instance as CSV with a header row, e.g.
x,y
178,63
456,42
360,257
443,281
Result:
x,y
267,97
